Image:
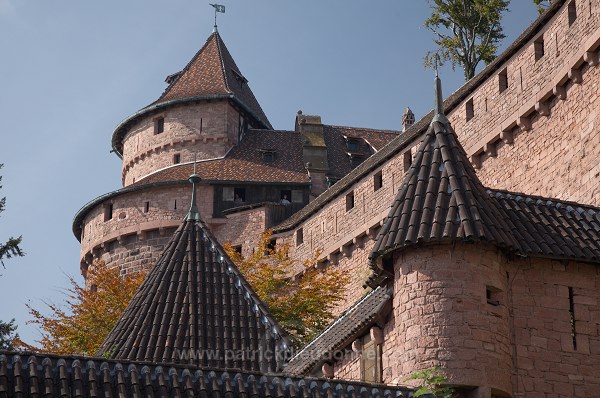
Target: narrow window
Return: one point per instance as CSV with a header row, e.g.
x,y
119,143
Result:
x,y
377,181
350,201
200,124
503,80
297,196
470,111
370,360
269,157
177,158
572,318
271,246
299,237
572,12
108,212
159,125
407,160
237,249
538,47
175,204
146,207
492,295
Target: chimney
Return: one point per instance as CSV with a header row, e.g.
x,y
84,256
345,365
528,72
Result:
x,y
408,119
314,151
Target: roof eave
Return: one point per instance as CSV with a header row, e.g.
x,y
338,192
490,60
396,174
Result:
x,y
121,129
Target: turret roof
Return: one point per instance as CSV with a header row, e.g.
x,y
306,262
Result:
x,y
195,307
212,71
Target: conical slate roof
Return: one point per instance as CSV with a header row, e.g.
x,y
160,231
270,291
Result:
x,y
213,72
195,307
441,198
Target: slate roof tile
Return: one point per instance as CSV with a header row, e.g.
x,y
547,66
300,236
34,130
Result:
x,y
354,323
195,307
34,375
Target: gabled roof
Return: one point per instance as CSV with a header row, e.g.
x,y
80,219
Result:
x,y
195,307
353,323
245,162
34,375
212,71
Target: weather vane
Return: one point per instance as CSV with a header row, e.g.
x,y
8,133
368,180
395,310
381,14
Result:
x,y
218,8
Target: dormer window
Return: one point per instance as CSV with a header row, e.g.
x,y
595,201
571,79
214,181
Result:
x,y
352,144
268,155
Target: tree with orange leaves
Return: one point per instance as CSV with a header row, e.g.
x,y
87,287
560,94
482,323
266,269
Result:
x,y
89,314
301,296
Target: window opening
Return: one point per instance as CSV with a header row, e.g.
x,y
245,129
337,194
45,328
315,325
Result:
x,y
407,160
159,125
177,158
108,212
370,360
503,80
146,207
572,318
299,237
538,47
572,11
350,201
378,181
285,196
469,109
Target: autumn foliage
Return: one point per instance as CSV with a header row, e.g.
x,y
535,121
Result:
x,y
301,296
88,315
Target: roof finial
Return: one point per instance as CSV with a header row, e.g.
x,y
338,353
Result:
x,y
193,214
439,99
218,8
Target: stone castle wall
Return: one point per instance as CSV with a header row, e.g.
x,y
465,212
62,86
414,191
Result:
x,y
205,130
538,336
132,231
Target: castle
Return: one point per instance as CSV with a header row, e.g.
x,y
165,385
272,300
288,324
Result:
x,y
476,231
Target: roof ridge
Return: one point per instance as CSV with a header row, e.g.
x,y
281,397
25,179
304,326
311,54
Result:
x,y
223,71
544,198
387,131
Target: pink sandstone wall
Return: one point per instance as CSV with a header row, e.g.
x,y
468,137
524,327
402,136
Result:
x,y
441,317
243,228
132,230
205,130
546,362
523,347
549,110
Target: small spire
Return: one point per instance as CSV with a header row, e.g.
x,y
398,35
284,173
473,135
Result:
x,y
193,214
439,99
408,119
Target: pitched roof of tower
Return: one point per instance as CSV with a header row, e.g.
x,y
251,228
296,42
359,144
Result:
x,y
195,307
441,198
212,71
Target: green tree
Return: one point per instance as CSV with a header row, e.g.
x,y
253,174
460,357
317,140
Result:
x,y
8,335
11,247
466,32
432,383
300,295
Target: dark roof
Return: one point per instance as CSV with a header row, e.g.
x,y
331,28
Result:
x,y
33,375
213,71
441,198
552,228
195,300
408,138
245,162
368,141
353,323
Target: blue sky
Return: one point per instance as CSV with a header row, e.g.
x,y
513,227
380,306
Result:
x,y
71,70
